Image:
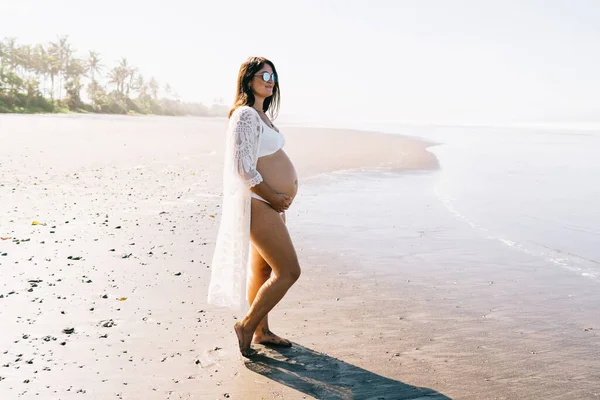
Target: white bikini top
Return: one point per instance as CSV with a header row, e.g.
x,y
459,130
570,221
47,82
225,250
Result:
x,y
270,141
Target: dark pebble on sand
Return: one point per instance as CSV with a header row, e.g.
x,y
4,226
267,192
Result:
x,y
108,323
68,331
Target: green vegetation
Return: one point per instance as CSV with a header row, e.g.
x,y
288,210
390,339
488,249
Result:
x,y
51,79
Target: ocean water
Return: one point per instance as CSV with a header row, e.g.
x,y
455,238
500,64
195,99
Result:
x,y
516,194
536,191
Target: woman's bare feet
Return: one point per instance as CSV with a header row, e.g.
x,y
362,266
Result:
x,y
266,337
244,340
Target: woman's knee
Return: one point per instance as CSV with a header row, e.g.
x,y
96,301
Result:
x,y
295,273
291,274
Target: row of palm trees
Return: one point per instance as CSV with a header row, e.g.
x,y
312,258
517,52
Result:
x,y
53,74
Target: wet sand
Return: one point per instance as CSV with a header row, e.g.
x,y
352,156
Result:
x,y
105,296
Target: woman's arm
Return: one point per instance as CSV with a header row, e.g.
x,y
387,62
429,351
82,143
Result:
x,y
244,137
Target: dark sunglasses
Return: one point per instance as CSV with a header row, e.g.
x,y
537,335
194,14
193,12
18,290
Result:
x,y
267,76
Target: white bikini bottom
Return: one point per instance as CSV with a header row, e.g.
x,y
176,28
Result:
x,y
257,197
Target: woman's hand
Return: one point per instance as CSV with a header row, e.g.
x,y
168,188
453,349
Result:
x,y
281,202
278,201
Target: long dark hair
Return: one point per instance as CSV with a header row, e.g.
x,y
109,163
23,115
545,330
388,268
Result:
x,y
244,95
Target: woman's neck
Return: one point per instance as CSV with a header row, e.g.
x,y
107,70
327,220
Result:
x,y
258,103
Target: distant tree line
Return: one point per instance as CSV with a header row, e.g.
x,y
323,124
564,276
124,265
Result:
x,y
51,78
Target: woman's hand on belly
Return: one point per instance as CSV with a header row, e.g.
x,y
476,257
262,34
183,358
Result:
x,y
281,202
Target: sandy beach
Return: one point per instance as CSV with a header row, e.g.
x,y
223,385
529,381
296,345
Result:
x,y
108,226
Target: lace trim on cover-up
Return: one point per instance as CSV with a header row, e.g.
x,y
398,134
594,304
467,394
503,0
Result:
x,y
229,267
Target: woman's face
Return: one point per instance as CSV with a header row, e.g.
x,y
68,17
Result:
x,y
260,88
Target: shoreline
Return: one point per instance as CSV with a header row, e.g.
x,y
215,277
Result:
x,y
421,297
358,150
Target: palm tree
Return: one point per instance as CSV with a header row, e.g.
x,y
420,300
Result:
x,y
131,74
24,59
127,73
10,48
53,65
117,77
61,53
140,86
93,64
76,70
2,54
67,54
41,64
153,86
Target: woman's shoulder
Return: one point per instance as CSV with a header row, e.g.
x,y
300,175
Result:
x,y
245,113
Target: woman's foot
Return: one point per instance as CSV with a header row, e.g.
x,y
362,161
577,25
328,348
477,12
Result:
x,y
244,340
266,337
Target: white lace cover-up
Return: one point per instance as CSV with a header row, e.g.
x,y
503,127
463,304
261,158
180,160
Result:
x,y
229,267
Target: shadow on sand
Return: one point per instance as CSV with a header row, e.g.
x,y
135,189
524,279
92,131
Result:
x,y
324,377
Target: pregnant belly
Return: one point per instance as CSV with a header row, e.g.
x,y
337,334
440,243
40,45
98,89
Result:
x,y
278,172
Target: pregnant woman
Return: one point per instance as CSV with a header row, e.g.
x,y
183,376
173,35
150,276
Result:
x,y
255,262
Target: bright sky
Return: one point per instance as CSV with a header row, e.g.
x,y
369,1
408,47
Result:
x,y
412,60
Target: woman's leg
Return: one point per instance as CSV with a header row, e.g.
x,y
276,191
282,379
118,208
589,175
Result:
x,y
272,241
260,272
